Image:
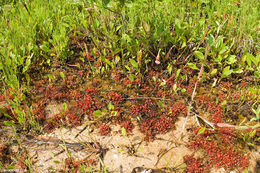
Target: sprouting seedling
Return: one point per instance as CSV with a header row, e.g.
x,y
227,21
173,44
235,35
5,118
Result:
x,y
157,60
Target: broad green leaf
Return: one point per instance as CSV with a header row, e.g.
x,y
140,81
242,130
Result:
x,y
133,63
178,73
110,106
98,113
65,106
211,39
250,58
45,46
113,113
170,69
10,167
245,171
127,67
223,50
232,59
226,72
237,70
62,75
9,123
56,161
201,130
198,54
192,66
213,72
123,132
252,133
132,77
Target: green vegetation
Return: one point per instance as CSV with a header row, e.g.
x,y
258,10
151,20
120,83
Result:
x,y
218,40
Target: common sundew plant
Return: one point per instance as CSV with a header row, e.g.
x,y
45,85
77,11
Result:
x,y
137,64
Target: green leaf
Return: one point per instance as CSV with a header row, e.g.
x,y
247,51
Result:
x,y
192,66
170,69
110,106
211,39
178,73
51,154
123,132
237,70
128,68
213,72
10,167
183,90
113,113
250,58
56,161
245,171
5,113
133,63
232,59
62,75
198,54
45,46
201,130
132,77
65,106
27,63
252,133
106,61
9,123
226,72
98,113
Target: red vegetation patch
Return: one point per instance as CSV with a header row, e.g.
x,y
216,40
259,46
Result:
x,y
39,110
148,108
152,73
71,163
75,95
222,96
226,85
69,119
202,100
163,124
219,153
21,162
88,104
235,96
178,108
91,91
127,82
2,98
194,165
147,127
104,129
216,111
227,135
54,93
128,125
162,93
115,97
153,126
116,75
